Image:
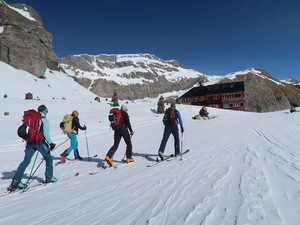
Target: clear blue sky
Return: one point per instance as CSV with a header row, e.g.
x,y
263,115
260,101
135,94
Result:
x,y
212,36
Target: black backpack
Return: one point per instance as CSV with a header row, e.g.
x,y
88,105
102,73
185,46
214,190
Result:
x,y
170,117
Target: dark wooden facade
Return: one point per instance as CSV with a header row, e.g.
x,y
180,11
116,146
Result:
x,y
225,96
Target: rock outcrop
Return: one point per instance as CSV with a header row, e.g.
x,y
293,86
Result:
x,y
24,43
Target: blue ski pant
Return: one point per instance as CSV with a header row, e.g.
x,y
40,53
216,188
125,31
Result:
x,y
29,152
171,129
74,144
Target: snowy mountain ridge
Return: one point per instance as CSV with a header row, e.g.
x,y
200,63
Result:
x,y
292,81
231,76
133,76
125,69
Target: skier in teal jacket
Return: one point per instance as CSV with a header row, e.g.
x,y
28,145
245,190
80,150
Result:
x,y
44,146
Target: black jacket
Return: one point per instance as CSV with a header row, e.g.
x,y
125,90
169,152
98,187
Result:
x,y
126,121
76,125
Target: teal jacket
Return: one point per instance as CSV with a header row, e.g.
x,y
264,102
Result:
x,y
46,129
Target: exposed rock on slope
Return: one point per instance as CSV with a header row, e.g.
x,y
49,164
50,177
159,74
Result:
x,y
132,76
24,43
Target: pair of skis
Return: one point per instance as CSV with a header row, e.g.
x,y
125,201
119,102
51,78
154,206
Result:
x,y
169,158
102,168
70,161
42,184
36,186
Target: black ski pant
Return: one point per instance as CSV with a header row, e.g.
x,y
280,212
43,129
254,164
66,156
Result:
x,y
171,129
117,138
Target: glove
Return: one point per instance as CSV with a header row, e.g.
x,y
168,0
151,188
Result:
x,y
84,127
52,146
182,129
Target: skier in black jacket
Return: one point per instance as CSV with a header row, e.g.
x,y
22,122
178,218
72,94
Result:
x,y
122,131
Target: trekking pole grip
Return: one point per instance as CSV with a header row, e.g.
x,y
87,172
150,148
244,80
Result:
x,y
60,144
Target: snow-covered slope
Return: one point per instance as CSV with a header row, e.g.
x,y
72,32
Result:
x,y
16,83
23,12
243,168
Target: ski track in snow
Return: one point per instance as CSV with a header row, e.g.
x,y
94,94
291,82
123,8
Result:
x,y
243,168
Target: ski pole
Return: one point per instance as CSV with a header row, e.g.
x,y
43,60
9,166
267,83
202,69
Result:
x,y
87,146
181,145
31,175
124,155
60,144
33,164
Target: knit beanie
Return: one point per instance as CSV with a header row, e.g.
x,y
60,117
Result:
x,y
124,107
43,109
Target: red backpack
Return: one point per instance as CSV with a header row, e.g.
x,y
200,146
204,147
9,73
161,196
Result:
x,y
170,117
30,130
116,118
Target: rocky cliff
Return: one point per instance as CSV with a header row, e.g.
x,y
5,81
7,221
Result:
x,y
24,43
132,76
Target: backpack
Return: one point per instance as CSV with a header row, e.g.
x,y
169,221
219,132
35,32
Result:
x,y
116,118
66,124
170,117
31,130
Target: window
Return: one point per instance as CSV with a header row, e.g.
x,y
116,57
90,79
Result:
x,y
228,96
237,95
233,105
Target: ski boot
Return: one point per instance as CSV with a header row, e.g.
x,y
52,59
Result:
x,y
50,179
16,185
63,156
76,154
161,156
108,160
129,160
